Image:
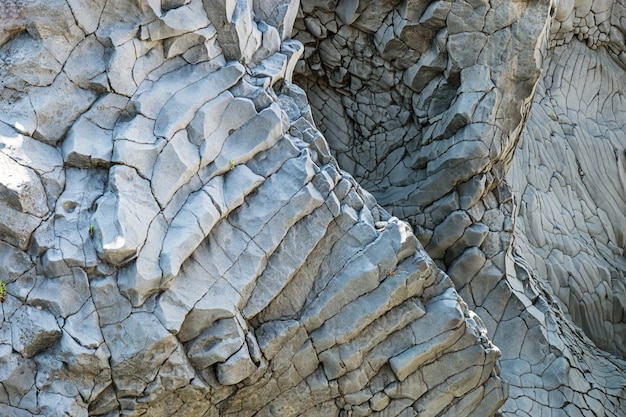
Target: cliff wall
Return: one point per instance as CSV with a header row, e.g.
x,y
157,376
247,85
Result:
x,y
319,208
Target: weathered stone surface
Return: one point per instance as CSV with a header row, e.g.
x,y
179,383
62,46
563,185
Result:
x,y
89,143
179,238
63,295
216,344
176,164
123,216
236,27
132,349
34,330
21,188
427,115
179,110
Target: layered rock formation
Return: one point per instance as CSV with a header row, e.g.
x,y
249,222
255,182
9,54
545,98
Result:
x,y
436,108
179,238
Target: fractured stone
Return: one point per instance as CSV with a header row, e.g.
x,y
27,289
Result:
x,y
179,110
33,330
123,216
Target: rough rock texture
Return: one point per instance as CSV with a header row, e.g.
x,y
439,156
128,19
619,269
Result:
x,y
496,129
179,238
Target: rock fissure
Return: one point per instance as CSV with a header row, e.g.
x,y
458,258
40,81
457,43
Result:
x,y
230,267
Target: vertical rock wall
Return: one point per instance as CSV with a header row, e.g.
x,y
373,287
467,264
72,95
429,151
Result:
x,y
436,107
177,239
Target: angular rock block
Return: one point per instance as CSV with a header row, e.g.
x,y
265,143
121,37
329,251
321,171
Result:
x,y
33,330
216,344
123,216
236,28
175,165
133,348
21,188
179,110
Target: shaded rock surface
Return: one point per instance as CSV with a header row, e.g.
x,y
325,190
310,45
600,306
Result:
x,y
178,235
495,129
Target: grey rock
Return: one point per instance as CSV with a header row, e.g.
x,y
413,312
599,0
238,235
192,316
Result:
x,y
142,278
89,142
43,159
46,108
280,14
447,232
111,306
238,367
33,330
178,111
84,326
18,373
53,404
346,10
184,236
91,76
466,266
440,335
87,145
21,188
273,67
236,27
242,144
216,344
63,295
132,348
123,216
182,220
176,164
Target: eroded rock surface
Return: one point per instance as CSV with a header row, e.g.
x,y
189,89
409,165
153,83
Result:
x,y
178,240
436,107
179,237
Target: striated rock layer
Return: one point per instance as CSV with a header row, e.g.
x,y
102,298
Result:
x,y
179,238
496,129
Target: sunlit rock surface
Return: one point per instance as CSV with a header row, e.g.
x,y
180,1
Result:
x,y
213,208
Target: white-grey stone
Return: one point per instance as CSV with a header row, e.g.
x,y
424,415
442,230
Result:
x,y
281,14
33,330
21,188
123,216
84,326
52,120
142,278
86,65
179,110
87,145
273,67
171,132
238,367
44,159
236,28
63,295
176,164
190,226
216,344
132,349
111,306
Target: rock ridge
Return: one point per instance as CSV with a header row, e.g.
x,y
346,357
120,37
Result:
x,y
343,208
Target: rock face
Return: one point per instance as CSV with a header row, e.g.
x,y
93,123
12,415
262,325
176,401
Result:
x,y
495,129
178,237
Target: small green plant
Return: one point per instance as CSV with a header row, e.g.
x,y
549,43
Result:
x,y
232,164
91,231
3,291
